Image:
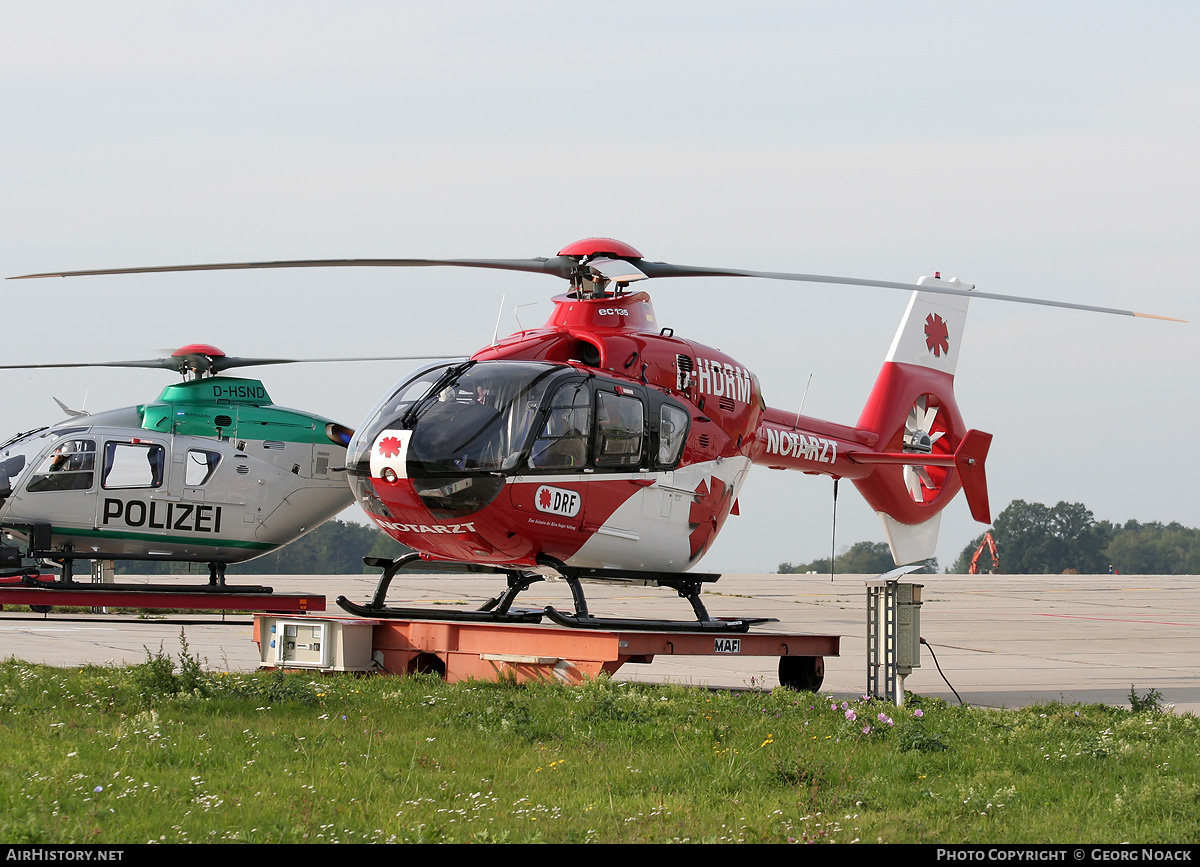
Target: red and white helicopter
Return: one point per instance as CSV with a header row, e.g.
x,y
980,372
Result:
x,y
603,447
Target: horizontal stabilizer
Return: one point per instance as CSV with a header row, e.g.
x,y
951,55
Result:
x,y
968,459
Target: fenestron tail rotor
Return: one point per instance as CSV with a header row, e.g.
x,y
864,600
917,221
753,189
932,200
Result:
x,y
594,266
920,436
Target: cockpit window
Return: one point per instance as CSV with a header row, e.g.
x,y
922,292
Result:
x,y
672,431
477,419
70,466
201,464
619,427
563,440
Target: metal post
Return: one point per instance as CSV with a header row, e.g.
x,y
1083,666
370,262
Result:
x,y
893,634
881,640
872,640
103,572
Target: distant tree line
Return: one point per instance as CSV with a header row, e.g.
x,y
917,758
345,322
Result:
x,y
334,548
1032,538
861,558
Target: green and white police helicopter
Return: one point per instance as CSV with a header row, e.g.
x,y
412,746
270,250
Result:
x,y
211,472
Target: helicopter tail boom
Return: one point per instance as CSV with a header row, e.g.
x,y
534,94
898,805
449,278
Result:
x,y
910,452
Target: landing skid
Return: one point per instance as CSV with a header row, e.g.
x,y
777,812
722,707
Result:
x,y
499,609
50,583
42,594
33,577
496,610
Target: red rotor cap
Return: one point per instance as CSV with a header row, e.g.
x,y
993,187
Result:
x,y
198,349
592,246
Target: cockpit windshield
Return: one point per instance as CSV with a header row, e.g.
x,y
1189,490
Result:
x,y
395,405
477,419
18,452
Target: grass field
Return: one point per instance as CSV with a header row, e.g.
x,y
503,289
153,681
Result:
x,y
170,751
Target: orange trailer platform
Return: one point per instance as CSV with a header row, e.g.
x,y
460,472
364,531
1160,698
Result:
x,y
493,651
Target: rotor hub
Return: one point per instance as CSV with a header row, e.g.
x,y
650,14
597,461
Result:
x,y
197,359
591,247
198,349
918,442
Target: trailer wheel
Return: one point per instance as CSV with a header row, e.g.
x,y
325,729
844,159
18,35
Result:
x,y
802,673
40,609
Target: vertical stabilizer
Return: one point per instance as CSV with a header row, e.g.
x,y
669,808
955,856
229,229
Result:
x,y
931,331
913,410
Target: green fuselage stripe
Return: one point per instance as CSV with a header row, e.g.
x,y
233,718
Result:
x,y
155,537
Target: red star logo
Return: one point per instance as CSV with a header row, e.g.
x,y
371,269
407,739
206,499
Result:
x,y
544,499
707,515
937,335
389,447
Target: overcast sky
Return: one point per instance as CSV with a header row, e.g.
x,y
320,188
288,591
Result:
x,y
1029,148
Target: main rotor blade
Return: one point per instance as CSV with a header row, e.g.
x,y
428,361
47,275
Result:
x,y
664,269
566,267
219,363
229,362
559,266
165,363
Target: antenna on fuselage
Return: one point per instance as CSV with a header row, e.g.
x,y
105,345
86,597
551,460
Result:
x,y
517,316
833,533
499,316
803,398
73,413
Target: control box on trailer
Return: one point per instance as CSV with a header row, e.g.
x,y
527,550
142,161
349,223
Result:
x,y
325,644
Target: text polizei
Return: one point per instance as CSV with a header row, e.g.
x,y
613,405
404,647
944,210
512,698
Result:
x,y
155,515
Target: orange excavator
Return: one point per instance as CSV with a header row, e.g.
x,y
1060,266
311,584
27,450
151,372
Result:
x,y
990,544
